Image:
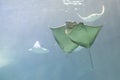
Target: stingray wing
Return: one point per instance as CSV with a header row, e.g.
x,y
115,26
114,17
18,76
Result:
x,y
40,50
63,40
84,35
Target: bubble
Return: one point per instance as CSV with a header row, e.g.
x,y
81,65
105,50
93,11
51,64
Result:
x,y
68,2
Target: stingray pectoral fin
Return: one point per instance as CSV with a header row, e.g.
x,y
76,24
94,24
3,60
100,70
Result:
x,y
103,10
39,50
92,17
45,50
63,39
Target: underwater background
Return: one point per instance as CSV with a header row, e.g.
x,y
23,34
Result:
x,y
22,22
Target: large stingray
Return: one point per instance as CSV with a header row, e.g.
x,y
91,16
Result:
x,y
38,49
92,17
73,34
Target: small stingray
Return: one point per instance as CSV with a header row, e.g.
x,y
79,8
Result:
x,y
92,17
38,49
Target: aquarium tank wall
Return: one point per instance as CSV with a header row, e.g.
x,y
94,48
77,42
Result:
x,y
59,40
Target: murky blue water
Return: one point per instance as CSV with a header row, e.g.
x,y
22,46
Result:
x,y
22,22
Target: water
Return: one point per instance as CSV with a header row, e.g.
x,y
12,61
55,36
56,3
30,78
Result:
x,y
22,22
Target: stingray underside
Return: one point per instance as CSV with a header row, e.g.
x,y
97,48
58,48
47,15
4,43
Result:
x,y
63,40
84,35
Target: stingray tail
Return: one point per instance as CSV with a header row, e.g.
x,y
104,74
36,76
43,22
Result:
x,y
91,60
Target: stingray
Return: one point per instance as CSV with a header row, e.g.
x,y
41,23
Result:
x,y
74,35
38,49
92,17
71,35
